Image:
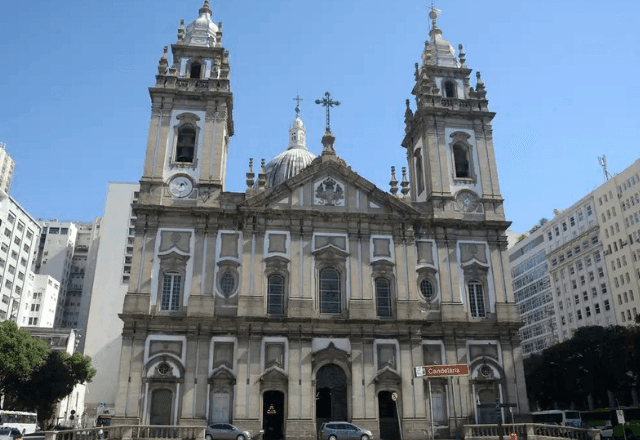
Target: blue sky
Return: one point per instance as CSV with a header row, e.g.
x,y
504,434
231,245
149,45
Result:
x,y
560,75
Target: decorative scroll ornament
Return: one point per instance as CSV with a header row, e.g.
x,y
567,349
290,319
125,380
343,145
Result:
x,y
329,193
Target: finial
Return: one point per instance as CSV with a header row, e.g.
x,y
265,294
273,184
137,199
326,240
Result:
x,y
298,99
163,63
250,175
408,117
394,182
405,182
181,30
262,176
462,56
205,8
416,74
328,103
480,89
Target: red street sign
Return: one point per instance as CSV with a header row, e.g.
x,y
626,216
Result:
x,y
442,370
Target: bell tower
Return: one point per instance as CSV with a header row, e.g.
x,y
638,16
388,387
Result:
x,y
191,117
449,139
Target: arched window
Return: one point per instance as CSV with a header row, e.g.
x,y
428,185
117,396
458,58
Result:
x,y
461,161
450,89
195,71
185,148
419,175
275,295
330,291
171,284
383,297
476,299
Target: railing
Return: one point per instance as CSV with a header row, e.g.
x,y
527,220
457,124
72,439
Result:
x,y
133,432
529,431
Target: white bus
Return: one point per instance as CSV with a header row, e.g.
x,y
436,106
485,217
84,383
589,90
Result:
x,y
560,417
26,422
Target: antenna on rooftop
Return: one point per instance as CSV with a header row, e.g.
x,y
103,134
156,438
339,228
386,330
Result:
x,y
602,160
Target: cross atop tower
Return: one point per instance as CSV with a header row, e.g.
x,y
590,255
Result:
x,y
298,99
328,103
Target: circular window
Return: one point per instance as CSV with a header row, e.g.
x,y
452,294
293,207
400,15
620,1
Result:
x,y
227,283
427,290
164,368
486,371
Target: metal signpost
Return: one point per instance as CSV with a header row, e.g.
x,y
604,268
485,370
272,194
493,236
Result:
x,y
428,371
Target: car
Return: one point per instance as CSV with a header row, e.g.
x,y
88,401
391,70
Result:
x,y
226,431
343,431
13,433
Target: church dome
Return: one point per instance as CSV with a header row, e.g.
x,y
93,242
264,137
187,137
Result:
x,y
202,32
290,162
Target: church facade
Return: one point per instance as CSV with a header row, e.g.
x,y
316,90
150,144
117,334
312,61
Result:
x,y
312,295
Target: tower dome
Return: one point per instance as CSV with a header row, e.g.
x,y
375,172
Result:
x,y
290,162
202,31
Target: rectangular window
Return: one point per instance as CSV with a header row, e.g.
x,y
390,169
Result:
x,y
576,297
603,288
7,232
572,221
54,230
11,218
476,300
594,292
572,270
585,295
16,240
579,314
171,291
589,212
587,311
597,306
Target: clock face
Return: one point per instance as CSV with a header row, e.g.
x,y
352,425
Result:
x,y
180,186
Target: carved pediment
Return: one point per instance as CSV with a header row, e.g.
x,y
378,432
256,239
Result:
x,y
331,353
330,252
387,375
223,373
332,186
274,373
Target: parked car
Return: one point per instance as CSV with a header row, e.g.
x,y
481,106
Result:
x,y
343,431
226,431
606,432
12,433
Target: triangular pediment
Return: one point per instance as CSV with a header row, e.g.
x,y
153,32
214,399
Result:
x,y
388,375
273,374
329,185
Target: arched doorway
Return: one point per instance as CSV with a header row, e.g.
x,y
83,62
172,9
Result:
x,y
388,417
160,413
331,394
273,415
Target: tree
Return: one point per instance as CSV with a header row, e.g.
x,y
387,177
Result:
x,y
583,369
50,383
20,353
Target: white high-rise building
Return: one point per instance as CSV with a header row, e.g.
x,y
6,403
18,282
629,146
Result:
x,y
67,253
38,309
7,165
110,281
19,233
582,267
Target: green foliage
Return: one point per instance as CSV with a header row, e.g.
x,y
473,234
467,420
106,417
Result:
x,y
50,383
20,353
594,361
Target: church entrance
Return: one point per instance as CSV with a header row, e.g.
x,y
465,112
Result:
x,y
273,415
331,394
160,413
388,417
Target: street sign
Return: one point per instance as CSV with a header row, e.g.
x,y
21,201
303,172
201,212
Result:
x,y
442,370
620,414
